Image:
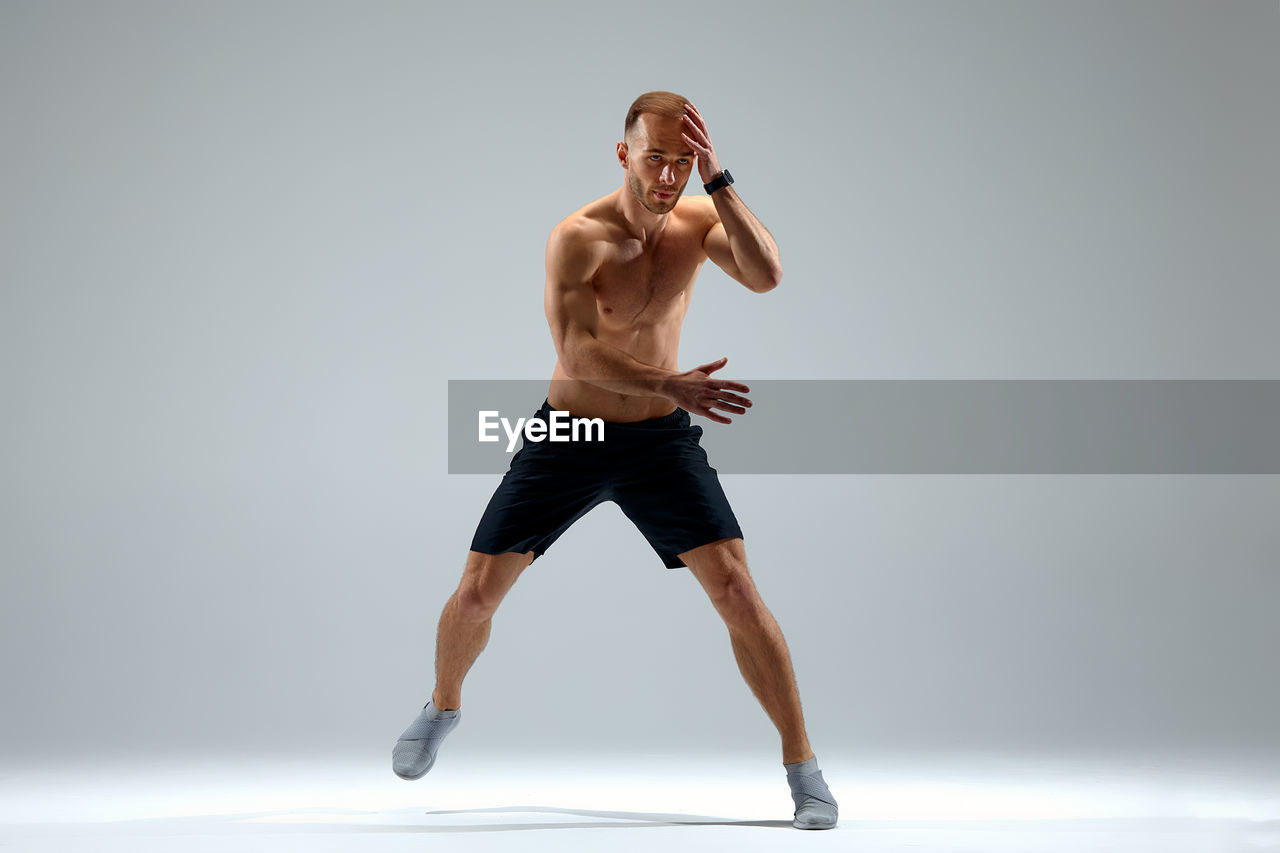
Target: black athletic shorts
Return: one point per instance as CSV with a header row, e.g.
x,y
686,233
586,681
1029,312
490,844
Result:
x,y
654,470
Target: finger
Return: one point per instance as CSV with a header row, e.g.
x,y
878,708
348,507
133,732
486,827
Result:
x,y
727,385
697,123
699,128
728,407
720,419
714,365
734,398
700,147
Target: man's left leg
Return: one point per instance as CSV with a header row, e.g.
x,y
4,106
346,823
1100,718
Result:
x,y
765,662
758,644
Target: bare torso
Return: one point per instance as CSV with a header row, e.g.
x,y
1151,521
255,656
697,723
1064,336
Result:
x,y
642,290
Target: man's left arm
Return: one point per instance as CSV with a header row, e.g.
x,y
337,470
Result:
x,y
737,242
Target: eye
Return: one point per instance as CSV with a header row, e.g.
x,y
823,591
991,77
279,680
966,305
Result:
x,y
653,157
684,161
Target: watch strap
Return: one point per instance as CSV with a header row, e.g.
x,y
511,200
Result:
x,y
721,180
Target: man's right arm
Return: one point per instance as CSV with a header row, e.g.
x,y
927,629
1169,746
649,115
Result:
x,y
570,303
572,262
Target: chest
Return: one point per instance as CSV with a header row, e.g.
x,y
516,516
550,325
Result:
x,y
636,283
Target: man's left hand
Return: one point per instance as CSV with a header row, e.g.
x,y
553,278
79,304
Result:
x,y
696,135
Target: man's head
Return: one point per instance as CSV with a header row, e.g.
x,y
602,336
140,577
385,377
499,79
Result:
x,y
656,157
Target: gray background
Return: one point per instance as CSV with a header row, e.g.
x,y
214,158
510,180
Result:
x,y
246,245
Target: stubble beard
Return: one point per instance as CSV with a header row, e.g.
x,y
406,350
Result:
x,y
650,204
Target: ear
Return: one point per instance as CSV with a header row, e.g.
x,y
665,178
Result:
x,y
622,154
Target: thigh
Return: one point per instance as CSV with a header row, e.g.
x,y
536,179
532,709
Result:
x,y
718,562
678,505
540,497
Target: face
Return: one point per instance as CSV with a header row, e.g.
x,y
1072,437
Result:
x,y
658,162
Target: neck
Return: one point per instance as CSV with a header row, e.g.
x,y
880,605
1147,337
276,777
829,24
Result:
x,y
641,223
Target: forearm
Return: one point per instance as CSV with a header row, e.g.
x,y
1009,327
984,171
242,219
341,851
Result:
x,y
754,249
608,367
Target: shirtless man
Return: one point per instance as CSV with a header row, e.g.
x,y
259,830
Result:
x,y
620,274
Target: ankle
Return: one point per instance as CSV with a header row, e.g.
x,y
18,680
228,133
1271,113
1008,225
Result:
x,y
445,701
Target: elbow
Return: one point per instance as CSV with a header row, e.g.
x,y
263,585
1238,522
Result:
x,y
573,355
569,363
772,280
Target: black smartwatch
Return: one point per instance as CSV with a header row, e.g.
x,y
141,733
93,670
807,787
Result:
x,y
721,180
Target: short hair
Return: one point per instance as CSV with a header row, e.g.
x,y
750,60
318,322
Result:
x,y
667,104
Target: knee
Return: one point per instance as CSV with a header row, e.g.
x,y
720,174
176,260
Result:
x,y
485,582
735,596
475,601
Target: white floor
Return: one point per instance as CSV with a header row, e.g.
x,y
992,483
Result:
x,y
623,802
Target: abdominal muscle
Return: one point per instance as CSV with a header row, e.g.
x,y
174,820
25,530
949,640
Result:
x,y
655,345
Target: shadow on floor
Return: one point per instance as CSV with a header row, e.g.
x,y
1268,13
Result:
x,y
295,822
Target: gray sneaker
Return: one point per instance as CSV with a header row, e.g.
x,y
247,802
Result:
x,y
815,806
415,751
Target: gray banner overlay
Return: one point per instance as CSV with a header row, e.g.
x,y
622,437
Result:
x,y
944,427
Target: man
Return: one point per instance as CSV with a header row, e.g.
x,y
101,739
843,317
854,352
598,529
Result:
x,y
620,273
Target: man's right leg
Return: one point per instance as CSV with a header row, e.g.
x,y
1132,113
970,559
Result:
x,y
467,617
461,636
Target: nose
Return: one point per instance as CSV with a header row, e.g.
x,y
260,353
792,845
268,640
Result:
x,y
668,175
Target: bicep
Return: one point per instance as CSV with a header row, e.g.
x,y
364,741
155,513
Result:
x,y
569,300
716,245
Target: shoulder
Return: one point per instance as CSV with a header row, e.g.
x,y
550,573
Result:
x,y
589,223
700,208
585,232
701,214
701,204
575,245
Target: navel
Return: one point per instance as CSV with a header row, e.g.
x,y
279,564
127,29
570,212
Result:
x,y
608,310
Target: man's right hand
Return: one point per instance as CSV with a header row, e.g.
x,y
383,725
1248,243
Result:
x,y
696,392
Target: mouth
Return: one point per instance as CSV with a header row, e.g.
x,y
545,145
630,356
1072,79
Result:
x,y
663,196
